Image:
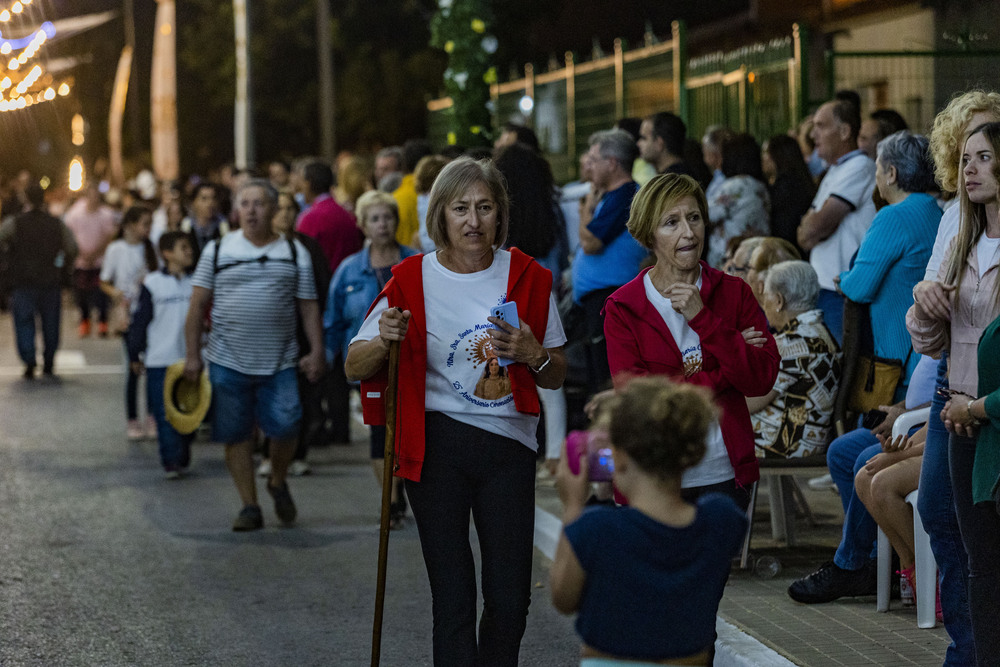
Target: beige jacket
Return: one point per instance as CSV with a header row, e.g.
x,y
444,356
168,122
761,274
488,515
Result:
x,y
973,308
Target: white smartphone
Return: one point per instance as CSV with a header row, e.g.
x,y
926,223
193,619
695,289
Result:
x,y
508,313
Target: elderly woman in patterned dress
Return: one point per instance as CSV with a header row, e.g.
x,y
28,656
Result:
x,y
793,419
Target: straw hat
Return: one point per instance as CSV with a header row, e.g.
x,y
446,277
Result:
x,y
186,402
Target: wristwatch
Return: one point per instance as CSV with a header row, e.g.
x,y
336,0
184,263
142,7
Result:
x,y
548,359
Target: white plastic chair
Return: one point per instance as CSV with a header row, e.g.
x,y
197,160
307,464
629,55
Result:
x,y
926,566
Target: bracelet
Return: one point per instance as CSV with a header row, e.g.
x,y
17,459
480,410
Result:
x,y
968,409
548,359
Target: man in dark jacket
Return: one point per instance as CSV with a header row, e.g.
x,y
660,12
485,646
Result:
x,y
39,247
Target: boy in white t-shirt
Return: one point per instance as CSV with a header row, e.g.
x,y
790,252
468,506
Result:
x,y
155,340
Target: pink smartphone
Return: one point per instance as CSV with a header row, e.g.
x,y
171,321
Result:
x,y
600,464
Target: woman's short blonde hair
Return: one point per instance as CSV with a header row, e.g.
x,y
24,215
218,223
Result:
x,y
354,178
771,251
948,133
427,171
453,182
655,197
371,199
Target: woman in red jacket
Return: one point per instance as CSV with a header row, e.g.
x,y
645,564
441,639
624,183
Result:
x,y
686,320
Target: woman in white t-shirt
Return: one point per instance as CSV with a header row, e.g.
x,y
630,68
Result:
x,y
462,454
126,262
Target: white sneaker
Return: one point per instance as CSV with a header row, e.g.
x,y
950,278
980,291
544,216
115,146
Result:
x,y
151,427
298,468
822,483
134,430
264,469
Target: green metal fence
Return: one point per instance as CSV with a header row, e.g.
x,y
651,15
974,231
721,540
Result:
x,y
757,89
916,83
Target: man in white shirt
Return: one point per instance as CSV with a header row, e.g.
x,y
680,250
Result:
x,y
842,210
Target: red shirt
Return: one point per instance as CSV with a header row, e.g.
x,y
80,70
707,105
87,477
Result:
x,y
334,228
639,343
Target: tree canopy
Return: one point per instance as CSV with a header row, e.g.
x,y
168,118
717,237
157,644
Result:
x,y
384,73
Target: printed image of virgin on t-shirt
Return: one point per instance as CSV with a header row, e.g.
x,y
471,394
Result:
x,y
494,382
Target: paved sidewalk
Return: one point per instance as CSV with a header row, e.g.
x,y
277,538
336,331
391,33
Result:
x,y
847,632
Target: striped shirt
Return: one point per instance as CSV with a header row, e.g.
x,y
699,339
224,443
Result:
x,y
253,302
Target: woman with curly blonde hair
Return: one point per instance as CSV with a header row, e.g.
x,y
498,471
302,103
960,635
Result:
x,y
934,299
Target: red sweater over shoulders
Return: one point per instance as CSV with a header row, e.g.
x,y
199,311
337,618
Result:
x,y
528,285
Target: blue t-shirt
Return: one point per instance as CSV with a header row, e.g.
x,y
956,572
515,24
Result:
x,y
652,591
611,213
619,261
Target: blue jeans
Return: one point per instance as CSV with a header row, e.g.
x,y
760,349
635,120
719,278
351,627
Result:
x,y
175,449
240,400
845,457
832,305
980,526
936,505
25,302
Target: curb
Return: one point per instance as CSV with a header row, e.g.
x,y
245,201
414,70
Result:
x,y
733,647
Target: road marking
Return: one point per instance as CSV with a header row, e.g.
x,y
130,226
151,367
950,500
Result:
x,y
70,362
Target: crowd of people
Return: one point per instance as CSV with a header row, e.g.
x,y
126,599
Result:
x,y
721,271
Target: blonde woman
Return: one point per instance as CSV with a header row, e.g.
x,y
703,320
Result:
x,y
936,505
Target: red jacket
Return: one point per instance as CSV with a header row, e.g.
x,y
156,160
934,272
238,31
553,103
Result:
x,y
528,285
639,343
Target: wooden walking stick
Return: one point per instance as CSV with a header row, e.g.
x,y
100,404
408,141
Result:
x,y
383,535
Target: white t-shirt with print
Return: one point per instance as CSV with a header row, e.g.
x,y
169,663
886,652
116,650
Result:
x,y
852,180
716,466
125,267
458,347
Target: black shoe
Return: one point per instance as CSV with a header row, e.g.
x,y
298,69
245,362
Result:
x,y
830,582
249,518
284,506
29,372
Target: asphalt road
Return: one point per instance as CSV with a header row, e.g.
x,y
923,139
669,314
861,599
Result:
x,y
103,562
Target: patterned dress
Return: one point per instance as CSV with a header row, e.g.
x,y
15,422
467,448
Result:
x,y
797,422
742,207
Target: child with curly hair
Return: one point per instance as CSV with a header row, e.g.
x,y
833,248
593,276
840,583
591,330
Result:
x,y
646,579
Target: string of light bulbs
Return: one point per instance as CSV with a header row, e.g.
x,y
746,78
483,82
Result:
x,y
27,45
15,9
24,101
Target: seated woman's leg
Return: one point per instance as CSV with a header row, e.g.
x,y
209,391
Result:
x,y
887,505
841,456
